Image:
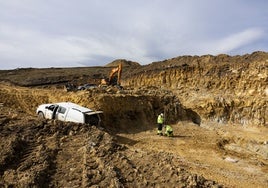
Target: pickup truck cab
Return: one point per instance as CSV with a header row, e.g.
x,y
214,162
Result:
x,y
67,111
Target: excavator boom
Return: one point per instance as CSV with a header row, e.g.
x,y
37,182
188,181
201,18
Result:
x,y
115,70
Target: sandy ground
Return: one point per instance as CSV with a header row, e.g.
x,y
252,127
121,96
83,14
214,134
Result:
x,y
226,154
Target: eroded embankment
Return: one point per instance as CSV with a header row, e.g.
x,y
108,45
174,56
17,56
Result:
x,y
223,89
124,110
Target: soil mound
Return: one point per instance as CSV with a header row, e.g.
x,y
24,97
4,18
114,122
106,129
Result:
x,y
125,63
58,154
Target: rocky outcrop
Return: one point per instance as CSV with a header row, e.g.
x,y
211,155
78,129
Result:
x,y
226,89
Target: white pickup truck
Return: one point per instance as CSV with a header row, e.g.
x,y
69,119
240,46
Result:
x,y
67,111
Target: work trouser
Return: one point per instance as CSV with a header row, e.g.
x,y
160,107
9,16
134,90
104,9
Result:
x,y
159,129
169,133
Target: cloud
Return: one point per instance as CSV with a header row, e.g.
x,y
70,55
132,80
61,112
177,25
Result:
x,y
28,46
87,33
37,49
236,40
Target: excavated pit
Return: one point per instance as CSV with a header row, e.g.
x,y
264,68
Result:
x,y
217,106
126,111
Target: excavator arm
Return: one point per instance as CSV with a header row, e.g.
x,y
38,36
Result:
x,y
117,70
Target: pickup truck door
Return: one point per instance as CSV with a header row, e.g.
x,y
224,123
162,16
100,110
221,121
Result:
x,y
61,113
49,111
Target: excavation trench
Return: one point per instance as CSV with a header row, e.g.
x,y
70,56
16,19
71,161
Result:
x,y
126,111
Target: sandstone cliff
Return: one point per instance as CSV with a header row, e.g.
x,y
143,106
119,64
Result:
x,y
226,89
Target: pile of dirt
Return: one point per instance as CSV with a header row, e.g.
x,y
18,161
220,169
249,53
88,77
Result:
x,y
124,63
58,154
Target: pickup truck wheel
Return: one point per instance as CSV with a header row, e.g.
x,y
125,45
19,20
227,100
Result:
x,y
41,115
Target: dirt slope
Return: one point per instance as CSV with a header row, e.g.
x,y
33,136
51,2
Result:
x,y
224,89
57,154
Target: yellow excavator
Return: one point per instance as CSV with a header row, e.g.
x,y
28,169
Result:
x,y
114,77
113,80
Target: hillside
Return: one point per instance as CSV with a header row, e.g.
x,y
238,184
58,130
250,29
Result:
x,y
217,106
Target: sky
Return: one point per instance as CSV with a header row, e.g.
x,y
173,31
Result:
x,y
77,33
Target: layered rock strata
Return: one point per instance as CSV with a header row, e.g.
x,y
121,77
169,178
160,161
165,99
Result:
x,y
226,89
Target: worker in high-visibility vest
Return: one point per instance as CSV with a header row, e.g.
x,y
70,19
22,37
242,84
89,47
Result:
x,y
160,121
168,131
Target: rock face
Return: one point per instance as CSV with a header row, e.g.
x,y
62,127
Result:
x,y
225,89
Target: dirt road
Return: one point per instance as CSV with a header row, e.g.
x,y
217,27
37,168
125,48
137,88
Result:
x,y
226,154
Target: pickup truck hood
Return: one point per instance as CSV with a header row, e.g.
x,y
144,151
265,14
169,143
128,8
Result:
x,y
42,107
